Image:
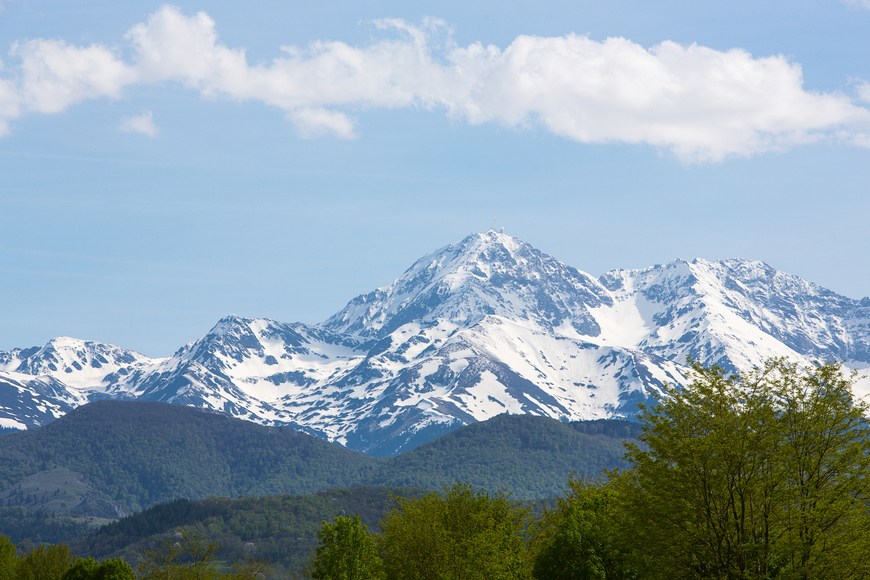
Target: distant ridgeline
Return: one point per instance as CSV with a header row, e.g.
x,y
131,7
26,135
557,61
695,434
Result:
x,y
109,458
137,454
281,529
20,523
480,327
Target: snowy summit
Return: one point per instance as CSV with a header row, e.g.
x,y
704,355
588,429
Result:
x,y
484,326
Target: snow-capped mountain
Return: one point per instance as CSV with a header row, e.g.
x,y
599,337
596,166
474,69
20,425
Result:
x,y
487,274
39,384
90,368
737,313
481,327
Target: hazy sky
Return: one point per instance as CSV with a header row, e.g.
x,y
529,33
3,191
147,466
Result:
x,y
164,165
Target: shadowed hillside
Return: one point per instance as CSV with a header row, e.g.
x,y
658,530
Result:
x,y
529,456
137,454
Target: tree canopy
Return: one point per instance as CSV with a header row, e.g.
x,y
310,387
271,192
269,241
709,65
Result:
x,y
346,551
90,569
760,475
578,541
189,556
465,534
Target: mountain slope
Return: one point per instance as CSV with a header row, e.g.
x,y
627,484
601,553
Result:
x,y
484,274
737,313
280,529
136,454
107,458
481,327
532,457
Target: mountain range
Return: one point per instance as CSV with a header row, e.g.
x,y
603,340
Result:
x,y
485,326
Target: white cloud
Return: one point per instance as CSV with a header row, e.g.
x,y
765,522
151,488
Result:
x,y
318,122
143,123
700,103
860,3
56,75
171,46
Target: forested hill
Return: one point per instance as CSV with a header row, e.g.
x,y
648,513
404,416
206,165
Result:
x,y
109,458
529,456
138,454
281,529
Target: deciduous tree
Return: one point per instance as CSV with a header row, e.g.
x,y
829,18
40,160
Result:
x,y
90,569
8,558
188,556
47,562
346,551
580,538
761,475
463,535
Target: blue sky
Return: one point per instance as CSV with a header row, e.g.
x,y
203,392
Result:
x,y
164,165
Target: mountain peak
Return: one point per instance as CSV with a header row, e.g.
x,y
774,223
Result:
x,y
486,325
487,273
229,323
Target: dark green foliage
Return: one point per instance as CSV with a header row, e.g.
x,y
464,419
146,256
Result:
x,y
115,569
83,569
8,559
190,556
165,516
109,456
346,551
280,529
531,457
20,523
581,539
90,569
615,428
141,454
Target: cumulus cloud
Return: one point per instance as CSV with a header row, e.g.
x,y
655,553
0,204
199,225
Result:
x,y
55,75
699,103
143,123
860,3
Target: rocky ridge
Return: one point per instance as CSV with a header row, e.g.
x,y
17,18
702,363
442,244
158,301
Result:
x,y
485,326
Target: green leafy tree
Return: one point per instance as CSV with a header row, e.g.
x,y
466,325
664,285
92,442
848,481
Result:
x,y
346,551
188,556
185,556
82,569
825,447
47,562
115,569
8,559
465,534
579,540
754,476
90,569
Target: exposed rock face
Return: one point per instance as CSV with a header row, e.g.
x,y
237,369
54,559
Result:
x,y
481,327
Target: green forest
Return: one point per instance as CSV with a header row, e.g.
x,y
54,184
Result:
x,y
111,458
136,455
733,477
